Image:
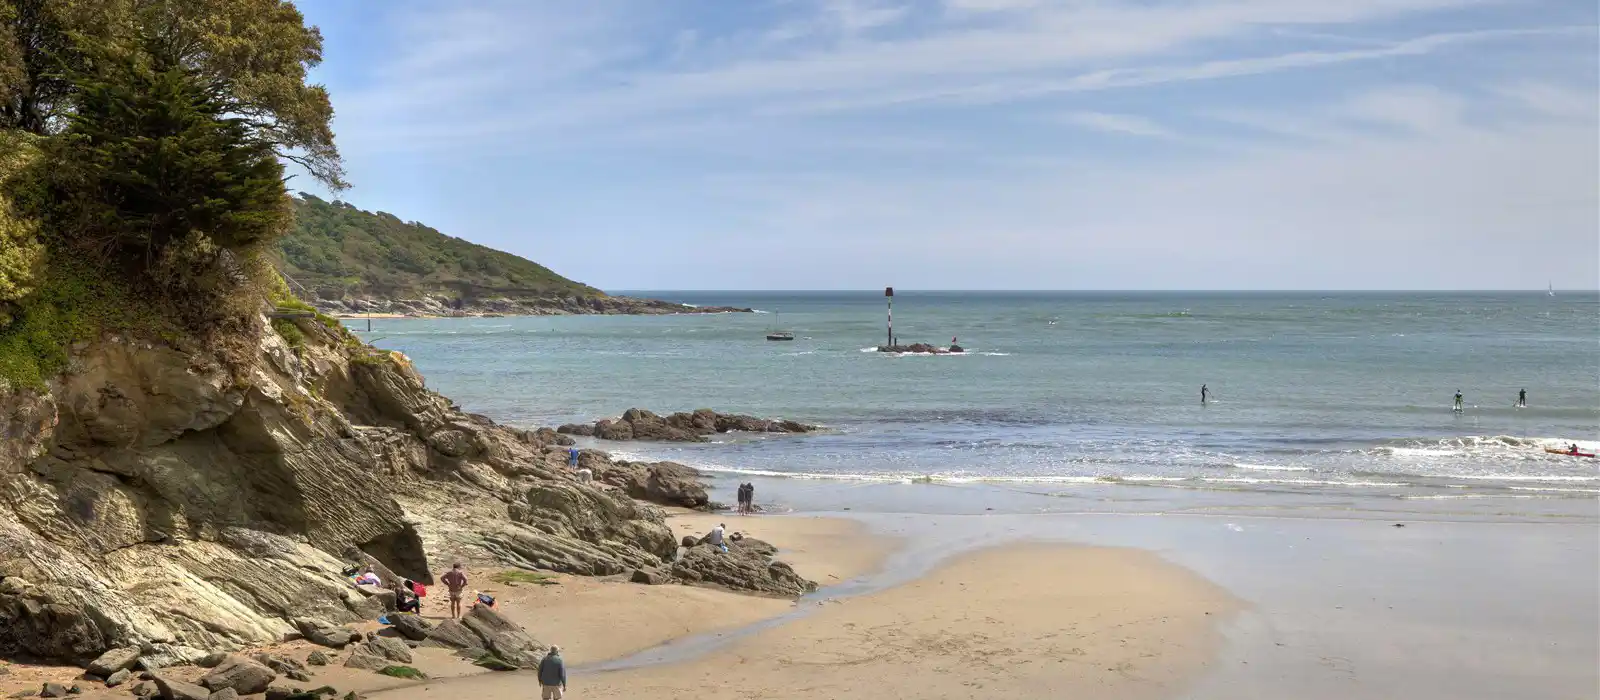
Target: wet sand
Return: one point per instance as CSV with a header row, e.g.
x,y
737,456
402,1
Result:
x,y
1021,621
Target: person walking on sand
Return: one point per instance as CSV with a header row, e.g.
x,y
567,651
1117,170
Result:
x,y
552,675
749,498
456,581
1204,394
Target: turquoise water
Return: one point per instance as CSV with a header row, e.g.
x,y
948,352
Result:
x,y
1313,392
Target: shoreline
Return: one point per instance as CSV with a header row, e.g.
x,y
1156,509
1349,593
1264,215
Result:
x,y
1319,609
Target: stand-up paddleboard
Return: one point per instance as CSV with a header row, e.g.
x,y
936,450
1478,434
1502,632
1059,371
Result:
x,y
1568,453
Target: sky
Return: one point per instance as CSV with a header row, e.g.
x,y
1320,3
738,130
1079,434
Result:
x,y
984,144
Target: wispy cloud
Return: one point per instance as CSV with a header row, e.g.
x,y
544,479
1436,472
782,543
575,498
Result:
x,y
1118,124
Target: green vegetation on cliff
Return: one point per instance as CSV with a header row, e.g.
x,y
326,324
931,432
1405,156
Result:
x,y
339,250
141,182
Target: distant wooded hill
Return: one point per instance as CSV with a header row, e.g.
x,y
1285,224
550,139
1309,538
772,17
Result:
x,y
340,251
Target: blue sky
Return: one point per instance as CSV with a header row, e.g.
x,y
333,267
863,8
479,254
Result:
x,y
985,144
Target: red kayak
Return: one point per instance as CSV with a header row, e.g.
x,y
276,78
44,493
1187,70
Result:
x,y
1568,453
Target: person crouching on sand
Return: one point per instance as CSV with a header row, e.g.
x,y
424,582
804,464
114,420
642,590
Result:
x,y
552,675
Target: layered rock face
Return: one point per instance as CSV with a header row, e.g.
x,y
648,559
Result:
x,y
164,498
639,424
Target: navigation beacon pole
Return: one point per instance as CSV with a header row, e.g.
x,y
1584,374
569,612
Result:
x,y
888,293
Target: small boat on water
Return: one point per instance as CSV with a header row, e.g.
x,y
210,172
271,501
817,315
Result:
x,y
1568,453
779,335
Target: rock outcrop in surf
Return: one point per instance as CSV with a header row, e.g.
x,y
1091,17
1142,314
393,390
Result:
x,y
163,497
639,424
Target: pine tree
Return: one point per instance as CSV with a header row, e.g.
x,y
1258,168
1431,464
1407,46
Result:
x,y
150,159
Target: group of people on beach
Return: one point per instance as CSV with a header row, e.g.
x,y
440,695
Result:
x,y
408,594
747,498
552,671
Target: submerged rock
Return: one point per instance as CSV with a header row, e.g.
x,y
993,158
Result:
x,y
639,424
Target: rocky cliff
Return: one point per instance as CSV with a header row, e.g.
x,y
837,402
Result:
x,y
161,496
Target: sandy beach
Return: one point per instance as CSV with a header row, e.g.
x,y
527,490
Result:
x,y
1019,621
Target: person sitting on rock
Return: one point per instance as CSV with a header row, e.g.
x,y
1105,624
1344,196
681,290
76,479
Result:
x,y
715,537
405,600
368,578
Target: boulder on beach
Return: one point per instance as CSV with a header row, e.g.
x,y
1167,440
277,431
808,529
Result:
x,y
411,626
746,566
114,660
326,634
244,676
507,639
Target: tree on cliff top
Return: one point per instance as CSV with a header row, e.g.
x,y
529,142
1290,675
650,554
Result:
x,y
139,163
260,50
150,159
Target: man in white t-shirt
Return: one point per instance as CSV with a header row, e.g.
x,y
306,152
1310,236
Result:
x,y
715,537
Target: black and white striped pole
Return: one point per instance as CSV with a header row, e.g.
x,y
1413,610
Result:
x,y
888,293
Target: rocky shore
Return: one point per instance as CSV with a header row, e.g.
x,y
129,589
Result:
x,y
179,504
443,306
639,424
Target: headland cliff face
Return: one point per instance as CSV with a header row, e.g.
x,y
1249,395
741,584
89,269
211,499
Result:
x,y
161,496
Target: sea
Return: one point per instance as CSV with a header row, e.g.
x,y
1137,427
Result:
x,y
1310,392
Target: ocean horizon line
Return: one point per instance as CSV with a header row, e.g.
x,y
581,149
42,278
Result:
x,y
910,290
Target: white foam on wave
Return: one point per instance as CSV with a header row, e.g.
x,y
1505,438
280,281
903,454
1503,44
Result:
x,y
1268,467
1551,489
1301,482
1466,496
1420,452
1517,477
